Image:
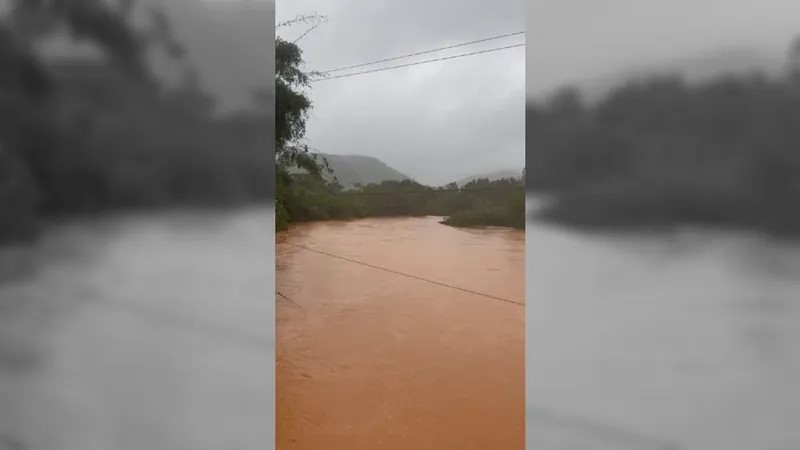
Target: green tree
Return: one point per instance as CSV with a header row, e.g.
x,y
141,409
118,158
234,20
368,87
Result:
x,y
292,106
28,134
660,151
86,135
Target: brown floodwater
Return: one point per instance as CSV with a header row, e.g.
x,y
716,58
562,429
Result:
x,y
368,359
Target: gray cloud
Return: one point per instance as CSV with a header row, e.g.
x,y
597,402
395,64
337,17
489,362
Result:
x,y
230,41
583,41
436,122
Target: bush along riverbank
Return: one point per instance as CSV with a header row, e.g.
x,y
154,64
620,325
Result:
x,y
479,203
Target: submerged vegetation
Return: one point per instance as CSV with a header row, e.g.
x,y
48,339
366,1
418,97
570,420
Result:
x,y
479,203
661,152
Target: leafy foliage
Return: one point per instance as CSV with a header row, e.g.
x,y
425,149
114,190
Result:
x,y
661,152
479,203
83,135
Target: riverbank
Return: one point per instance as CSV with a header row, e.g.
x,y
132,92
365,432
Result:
x,y
474,219
303,199
635,211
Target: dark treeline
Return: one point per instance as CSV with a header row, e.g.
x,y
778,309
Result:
x,y
84,135
662,152
478,203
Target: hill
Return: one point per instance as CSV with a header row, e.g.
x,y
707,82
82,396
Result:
x,y
351,170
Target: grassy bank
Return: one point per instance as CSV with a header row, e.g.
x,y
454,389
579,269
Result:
x,y
481,202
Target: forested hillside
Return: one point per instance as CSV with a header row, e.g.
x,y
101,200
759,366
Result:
x,y
662,151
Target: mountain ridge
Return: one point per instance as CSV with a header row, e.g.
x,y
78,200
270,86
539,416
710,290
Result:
x,y
352,169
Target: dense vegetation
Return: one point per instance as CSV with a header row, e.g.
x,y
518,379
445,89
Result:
x,y
98,134
661,152
481,202
91,135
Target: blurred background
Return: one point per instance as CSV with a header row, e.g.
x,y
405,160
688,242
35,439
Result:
x,y
662,260
136,221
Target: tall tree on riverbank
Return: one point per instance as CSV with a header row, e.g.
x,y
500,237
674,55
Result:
x,y
28,136
103,132
292,106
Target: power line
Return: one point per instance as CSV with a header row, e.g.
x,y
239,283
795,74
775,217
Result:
x,y
609,432
581,424
178,320
343,258
424,52
418,63
281,295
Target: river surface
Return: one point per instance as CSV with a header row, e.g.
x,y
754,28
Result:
x,y
691,338
150,332
371,359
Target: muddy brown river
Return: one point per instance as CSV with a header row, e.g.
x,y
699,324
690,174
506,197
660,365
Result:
x,y
371,359
154,332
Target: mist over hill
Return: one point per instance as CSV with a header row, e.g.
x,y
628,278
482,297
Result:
x,y
352,170
359,169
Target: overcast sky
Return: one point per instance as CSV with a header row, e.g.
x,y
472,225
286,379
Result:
x,y
435,122
442,121
583,40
